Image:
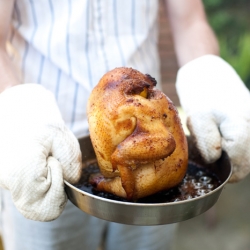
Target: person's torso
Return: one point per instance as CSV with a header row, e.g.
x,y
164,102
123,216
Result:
x,y
67,45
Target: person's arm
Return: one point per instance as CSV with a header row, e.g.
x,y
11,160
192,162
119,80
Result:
x,y
193,36
9,76
32,130
214,98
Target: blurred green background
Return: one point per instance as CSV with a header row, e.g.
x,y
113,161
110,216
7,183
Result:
x,y
230,20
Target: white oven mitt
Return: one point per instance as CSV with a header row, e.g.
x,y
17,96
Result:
x,y
217,106
37,152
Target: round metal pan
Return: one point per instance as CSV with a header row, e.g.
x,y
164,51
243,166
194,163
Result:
x,y
144,213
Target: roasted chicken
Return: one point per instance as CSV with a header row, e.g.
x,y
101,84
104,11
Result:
x,y
137,136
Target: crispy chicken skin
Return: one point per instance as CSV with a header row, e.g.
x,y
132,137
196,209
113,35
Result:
x,y
137,136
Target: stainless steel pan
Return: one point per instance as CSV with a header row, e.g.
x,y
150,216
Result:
x,y
148,214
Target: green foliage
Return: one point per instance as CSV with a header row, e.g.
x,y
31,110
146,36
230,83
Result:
x,y
230,20
240,60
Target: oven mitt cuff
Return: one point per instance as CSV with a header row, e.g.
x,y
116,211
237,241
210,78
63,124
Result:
x,y
37,152
217,106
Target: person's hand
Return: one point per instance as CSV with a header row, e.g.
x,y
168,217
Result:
x,y
37,152
217,105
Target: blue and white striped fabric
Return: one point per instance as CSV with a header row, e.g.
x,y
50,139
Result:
x,y
67,45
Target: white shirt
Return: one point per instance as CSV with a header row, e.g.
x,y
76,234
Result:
x,y
68,45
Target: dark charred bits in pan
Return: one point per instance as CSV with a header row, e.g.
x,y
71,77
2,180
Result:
x,y
197,182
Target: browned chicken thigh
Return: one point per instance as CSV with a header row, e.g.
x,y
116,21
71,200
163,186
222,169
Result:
x,y
137,136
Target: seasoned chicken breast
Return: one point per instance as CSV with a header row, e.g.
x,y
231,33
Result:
x,y
137,136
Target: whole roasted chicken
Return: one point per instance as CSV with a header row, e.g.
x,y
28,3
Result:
x,y
137,136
